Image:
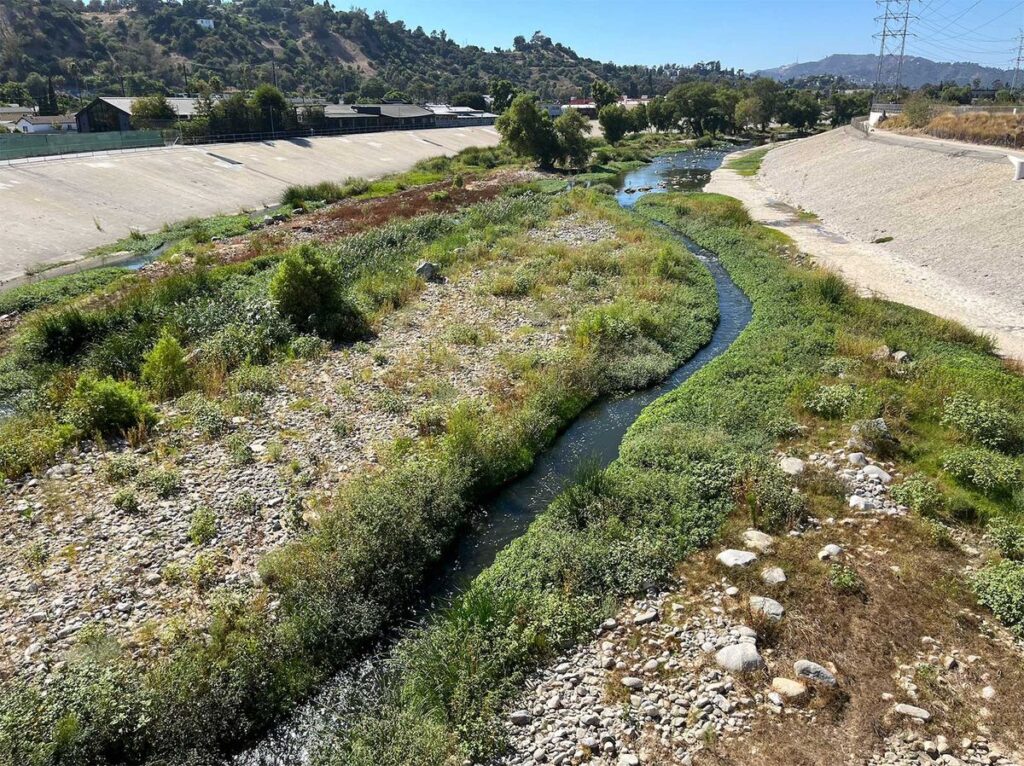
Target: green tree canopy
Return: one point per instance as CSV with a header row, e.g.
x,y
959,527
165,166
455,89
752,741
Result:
x,y
572,129
528,130
615,122
603,94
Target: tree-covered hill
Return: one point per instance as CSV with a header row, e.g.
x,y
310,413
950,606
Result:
x,y
98,46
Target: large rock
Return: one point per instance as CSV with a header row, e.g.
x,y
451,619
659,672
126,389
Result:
x,y
812,671
789,689
912,711
645,617
874,472
734,558
794,466
428,271
633,683
768,607
757,540
739,658
521,718
773,575
830,552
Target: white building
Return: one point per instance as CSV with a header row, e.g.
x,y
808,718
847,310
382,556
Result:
x,y
36,123
206,24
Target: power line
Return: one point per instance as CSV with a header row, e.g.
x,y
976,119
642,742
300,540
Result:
x,y
895,19
1020,60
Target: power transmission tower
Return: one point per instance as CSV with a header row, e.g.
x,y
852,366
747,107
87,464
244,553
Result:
x,y
895,20
1020,60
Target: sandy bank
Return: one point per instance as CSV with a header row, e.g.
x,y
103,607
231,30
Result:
x,y
956,223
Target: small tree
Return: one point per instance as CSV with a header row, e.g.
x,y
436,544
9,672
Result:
x,y
603,94
615,122
661,114
307,292
529,131
151,110
918,111
747,111
639,121
502,94
572,129
164,370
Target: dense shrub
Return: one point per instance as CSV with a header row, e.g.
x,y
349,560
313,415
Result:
x,y
202,527
308,293
988,471
1008,537
773,505
1000,587
985,422
58,335
107,406
919,494
831,402
164,369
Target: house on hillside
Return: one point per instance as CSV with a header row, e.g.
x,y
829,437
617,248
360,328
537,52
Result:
x,y
108,113
38,123
344,117
206,24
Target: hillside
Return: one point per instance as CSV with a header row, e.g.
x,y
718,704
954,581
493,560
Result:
x,y
861,69
304,47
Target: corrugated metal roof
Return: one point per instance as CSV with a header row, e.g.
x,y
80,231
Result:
x,y
184,107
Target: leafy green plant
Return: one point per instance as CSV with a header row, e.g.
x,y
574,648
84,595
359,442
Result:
x,y
832,401
308,292
1008,537
125,500
164,482
1000,587
984,422
989,472
107,406
919,494
202,527
164,370
121,468
238,448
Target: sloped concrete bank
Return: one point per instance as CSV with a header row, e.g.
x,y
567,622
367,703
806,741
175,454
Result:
x,y
952,241
55,211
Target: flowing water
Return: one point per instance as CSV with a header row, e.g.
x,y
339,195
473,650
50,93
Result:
x,y
593,438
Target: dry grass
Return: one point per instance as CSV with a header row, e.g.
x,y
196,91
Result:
x,y
980,128
912,589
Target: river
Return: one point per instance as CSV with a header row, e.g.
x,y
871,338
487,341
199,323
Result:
x,y
593,438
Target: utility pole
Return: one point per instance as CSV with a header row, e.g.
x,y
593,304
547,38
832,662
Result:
x,y
1020,60
895,20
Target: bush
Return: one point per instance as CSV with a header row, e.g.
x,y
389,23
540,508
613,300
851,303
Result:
x,y
830,288
919,495
773,504
985,422
203,526
307,292
204,415
308,347
59,335
990,472
1000,587
126,501
121,468
164,370
107,406
254,378
831,402
1008,537
917,111
165,482
844,580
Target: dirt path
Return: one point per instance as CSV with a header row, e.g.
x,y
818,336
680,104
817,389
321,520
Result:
x,y
954,251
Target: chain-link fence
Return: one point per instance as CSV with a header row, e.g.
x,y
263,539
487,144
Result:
x,y
20,146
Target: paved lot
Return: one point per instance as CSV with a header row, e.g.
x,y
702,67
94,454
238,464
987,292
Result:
x,y
54,211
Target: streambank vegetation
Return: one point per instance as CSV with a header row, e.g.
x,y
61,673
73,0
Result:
x,y
269,451
815,365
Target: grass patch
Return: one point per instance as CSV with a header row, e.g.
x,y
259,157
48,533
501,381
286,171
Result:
x,y
749,163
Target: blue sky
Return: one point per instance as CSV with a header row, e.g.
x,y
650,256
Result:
x,y
747,34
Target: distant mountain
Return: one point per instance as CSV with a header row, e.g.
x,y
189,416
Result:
x,y
917,71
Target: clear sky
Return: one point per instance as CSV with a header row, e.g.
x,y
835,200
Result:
x,y
746,34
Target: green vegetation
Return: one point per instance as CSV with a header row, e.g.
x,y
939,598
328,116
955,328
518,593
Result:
x,y
687,462
164,370
352,575
55,290
749,163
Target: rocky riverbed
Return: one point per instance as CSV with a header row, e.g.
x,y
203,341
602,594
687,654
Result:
x,y
107,542
696,673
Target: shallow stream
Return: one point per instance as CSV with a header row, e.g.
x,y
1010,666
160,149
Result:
x,y
593,438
